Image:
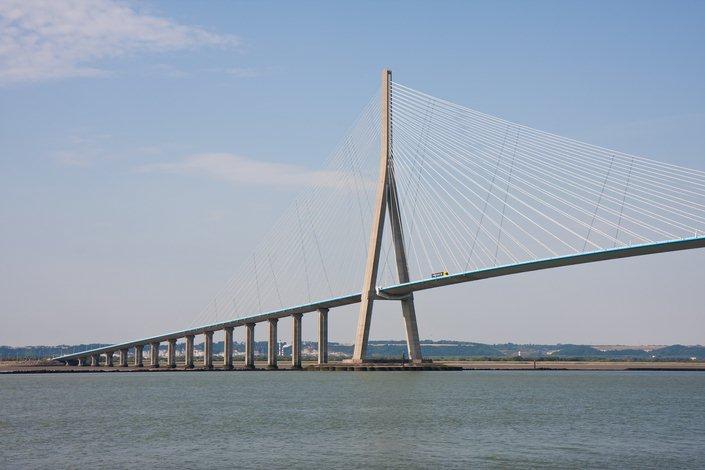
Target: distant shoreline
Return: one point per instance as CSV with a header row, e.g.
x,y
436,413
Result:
x,y
14,367
439,350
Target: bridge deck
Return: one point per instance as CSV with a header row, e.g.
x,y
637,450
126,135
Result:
x,y
406,288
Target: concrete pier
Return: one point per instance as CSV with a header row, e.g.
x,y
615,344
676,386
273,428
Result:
x,y
109,359
322,335
171,353
189,352
296,342
123,357
154,355
228,348
208,350
139,355
95,360
272,344
81,361
250,346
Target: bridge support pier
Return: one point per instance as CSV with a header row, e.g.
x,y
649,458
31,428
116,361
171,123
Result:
x,y
296,342
171,353
228,348
189,352
81,361
109,359
208,350
123,357
95,360
322,335
139,355
272,345
154,355
250,346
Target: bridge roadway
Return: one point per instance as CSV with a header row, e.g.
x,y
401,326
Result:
x,y
391,292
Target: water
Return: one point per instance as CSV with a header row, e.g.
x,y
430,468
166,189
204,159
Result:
x,y
350,420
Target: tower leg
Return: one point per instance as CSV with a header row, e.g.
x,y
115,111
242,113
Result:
x,y
407,304
373,248
387,197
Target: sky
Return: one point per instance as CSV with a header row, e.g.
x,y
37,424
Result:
x,y
147,146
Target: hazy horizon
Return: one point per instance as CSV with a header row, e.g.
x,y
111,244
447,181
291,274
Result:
x,y
391,340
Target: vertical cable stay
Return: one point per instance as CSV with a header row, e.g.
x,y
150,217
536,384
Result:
x,y
259,298
506,193
624,198
276,284
303,253
418,161
323,264
489,191
597,206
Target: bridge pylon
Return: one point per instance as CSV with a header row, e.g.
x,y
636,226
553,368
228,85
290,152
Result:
x,y
386,199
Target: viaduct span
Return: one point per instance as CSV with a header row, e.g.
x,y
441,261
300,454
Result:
x,y
456,188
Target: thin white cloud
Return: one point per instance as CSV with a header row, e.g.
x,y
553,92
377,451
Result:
x,y
244,72
52,39
80,159
83,149
244,171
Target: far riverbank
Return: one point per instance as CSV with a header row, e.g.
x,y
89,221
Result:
x,y
38,367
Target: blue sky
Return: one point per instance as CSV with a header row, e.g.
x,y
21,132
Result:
x,y
113,228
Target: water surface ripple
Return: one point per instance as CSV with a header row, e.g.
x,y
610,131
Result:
x,y
504,419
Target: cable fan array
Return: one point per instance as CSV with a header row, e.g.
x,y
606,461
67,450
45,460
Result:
x,y
474,192
317,248
477,191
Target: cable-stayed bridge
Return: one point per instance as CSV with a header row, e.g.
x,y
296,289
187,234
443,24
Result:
x,y
423,193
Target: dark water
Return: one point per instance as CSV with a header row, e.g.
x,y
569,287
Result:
x,y
352,420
